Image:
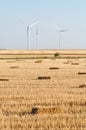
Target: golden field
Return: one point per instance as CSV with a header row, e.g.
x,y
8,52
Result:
x,y
30,103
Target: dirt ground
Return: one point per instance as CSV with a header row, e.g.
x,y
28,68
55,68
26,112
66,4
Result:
x,y
56,101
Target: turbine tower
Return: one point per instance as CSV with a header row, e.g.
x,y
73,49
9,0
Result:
x,y
28,37
37,37
60,31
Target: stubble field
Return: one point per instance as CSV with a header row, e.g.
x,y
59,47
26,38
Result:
x,y
29,102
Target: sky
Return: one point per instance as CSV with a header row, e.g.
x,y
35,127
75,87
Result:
x,y
16,15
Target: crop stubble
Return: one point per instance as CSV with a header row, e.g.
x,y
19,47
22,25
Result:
x,y
60,102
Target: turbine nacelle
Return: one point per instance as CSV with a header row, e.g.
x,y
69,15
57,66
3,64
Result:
x,y
63,30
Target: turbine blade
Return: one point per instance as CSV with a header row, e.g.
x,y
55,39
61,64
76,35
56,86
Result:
x,y
31,25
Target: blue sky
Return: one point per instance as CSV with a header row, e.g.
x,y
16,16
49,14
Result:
x,y
15,15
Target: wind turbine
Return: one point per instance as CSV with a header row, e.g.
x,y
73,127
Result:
x,y
28,27
28,33
61,31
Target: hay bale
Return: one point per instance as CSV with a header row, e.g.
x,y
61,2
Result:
x,y
67,62
46,110
14,67
81,73
74,63
53,68
82,86
44,77
4,79
10,61
38,61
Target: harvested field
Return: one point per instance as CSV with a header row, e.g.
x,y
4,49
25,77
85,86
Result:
x,y
30,101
